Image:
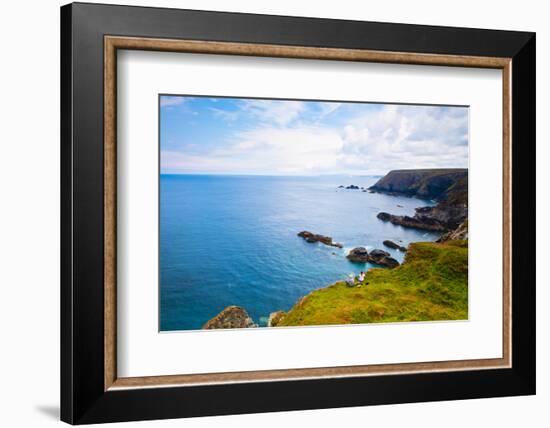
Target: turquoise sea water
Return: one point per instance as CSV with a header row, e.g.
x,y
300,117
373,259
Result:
x,y
231,240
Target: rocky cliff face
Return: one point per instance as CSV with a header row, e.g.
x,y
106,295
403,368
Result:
x,y
460,233
230,317
435,184
449,215
426,223
448,186
275,318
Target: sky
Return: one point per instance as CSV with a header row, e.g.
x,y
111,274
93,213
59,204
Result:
x,y
207,135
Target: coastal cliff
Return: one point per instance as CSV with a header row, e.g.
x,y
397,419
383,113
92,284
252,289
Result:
x,y
230,317
432,284
437,184
447,186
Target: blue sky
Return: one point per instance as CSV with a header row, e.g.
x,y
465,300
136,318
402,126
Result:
x,y
208,135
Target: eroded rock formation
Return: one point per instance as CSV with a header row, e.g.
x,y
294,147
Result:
x,y
379,257
394,245
314,237
231,317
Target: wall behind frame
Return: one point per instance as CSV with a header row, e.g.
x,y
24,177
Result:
x,y
29,218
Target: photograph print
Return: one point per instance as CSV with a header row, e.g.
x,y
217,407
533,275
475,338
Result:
x,y
290,213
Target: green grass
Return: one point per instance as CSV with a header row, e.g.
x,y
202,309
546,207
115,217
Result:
x,y
432,284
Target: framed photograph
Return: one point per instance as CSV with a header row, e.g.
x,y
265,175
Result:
x,y
266,213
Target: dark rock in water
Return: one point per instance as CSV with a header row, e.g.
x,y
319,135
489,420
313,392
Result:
x,y
358,255
231,317
314,237
424,223
378,254
275,318
353,187
364,190
384,216
393,245
341,186
388,262
379,257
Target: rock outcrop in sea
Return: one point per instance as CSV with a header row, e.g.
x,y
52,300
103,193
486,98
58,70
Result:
x,y
394,245
406,221
378,257
382,258
358,255
350,187
230,317
314,237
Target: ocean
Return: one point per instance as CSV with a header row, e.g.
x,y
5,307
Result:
x,y
231,240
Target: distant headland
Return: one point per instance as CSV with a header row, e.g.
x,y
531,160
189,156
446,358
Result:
x,y
449,187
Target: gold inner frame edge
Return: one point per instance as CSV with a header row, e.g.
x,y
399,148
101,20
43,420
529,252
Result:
x,y
113,43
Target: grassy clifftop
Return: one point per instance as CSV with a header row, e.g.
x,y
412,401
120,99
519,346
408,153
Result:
x,y
432,284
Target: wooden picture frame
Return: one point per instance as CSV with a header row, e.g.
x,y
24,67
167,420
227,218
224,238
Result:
x,y
91,390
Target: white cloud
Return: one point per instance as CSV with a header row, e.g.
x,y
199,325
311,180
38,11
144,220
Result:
x,y
374,142
406,137
278,112
267,150
328,108
229,116
169,101
273,112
